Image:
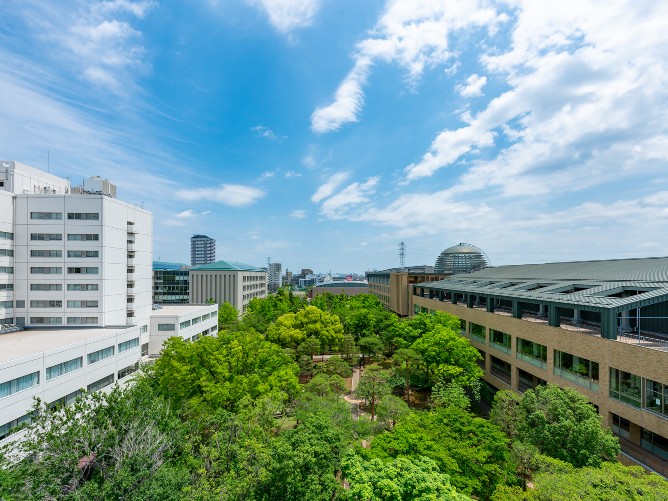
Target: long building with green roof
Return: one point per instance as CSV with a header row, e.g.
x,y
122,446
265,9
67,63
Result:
x,y
228,281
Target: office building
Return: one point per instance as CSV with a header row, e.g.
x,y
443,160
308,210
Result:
x,y
171,283
202,250
599,327
346,287
75,289
190,322
393,286
274,278
226,281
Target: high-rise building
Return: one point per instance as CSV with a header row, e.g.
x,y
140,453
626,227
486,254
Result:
x,y
202,250
274,277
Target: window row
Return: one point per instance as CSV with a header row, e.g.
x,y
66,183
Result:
x,y
79,237
59,253
6,235
6,253
19,384
92,216
56,270
59,320
8,270
6,287
638,391
59,287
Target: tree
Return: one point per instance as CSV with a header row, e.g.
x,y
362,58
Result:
x,y
335,365
373,386
450,395
448,356
562,424
370,346
126,444
400,479
391,409
348,347
219,371
471,450
407,359
309,347
506,412
291,329
323,385
228,316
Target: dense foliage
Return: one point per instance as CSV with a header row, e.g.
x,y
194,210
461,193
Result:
x,y
226,418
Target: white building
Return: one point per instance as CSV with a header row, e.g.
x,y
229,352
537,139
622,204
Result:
x,y
187,321
75,273
225,281
274,277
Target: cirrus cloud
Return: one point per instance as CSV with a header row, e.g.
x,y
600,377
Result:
x,y
234,195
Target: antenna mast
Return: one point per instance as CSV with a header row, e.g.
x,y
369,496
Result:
x,y
402,255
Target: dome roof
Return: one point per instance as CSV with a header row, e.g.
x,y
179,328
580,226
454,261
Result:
x,y
462,258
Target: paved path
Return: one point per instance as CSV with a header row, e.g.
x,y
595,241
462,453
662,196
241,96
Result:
x,y
354,402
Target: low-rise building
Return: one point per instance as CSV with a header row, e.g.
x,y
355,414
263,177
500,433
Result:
x,y
187,321
171,283
347,287
598,327
227,281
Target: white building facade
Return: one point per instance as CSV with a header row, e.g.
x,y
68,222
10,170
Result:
x,y
190,322
274,277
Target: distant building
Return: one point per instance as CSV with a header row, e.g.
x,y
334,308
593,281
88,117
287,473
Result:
x,y
187,321
462,258
171,283
226,281
287,278
202,250
274,277
347,287
392,286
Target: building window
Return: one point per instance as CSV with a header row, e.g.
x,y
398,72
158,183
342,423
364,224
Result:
x,y
144,349
7,270
184,324
14,423
500,340
45,253
576,369
6,304
46,270
128,345
534,353
621,426
90,270
19,384
654,443
656,397
46,287
63,368
82,287
89,216
196,320
144,329
6,252
500,369
45,236
6,235
83,237
79,303
46,215
6,287
625,387
83,253
477,331
128,370
100,383
42,303
98,355
68,399
166,327
81,320
46,320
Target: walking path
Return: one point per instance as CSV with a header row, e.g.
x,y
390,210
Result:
x,y
354,402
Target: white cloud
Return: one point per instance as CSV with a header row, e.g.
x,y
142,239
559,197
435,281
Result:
x,y
413,35
287,15
189,214
473,87
339,205
265,132
234,195
329,187
268,174
298,214
292,173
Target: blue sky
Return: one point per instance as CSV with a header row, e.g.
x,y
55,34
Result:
x,y
321,133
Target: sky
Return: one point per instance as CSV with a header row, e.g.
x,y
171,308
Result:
x,y
322,133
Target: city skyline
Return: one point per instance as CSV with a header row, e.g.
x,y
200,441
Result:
x,y
324,133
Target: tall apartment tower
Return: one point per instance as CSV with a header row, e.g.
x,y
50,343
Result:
x,y
274,277
202,250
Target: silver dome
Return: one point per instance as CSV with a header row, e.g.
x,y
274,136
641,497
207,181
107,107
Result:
x,y
462,258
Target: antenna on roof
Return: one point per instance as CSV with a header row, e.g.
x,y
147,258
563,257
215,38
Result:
x,y
402,255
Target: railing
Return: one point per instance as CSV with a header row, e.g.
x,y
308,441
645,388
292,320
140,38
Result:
x,y
645,342
524,386
500,347
532,360
577,379
498,373
643,457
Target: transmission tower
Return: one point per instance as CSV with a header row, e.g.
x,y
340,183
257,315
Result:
x,y
402,255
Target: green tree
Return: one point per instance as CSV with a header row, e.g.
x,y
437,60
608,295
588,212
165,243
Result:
x,y
220,371
370,346
348,347
335,365
310,346
562,424
228,316
471,450
324,385
408,360
390,410
291,329
373,386
506,412
400,479
126,444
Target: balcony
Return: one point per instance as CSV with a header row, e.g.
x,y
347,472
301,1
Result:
x,y
500,374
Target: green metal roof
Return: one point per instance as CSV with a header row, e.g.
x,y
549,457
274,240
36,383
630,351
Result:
x,y
226,266
164,265
552,282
